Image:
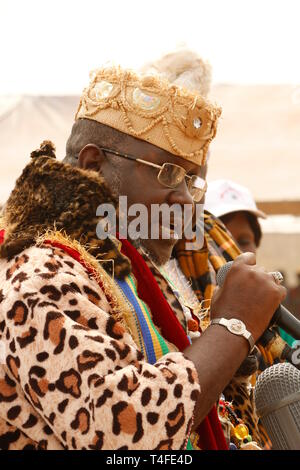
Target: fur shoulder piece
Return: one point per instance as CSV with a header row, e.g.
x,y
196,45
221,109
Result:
x,y
52,195
46,148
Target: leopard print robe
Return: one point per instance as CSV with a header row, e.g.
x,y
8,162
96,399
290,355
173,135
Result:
x,y
71,374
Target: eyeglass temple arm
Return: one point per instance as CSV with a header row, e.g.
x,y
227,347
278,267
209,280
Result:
x,y
135,159
130,157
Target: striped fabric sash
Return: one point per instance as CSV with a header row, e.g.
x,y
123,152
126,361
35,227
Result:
x,y
154,344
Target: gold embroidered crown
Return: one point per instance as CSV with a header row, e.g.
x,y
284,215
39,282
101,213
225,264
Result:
x,y
152,109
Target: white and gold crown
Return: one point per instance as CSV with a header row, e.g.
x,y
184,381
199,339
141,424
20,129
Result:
x,y
152,109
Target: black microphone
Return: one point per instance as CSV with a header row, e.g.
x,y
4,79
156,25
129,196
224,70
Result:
x,y
282,317
279,348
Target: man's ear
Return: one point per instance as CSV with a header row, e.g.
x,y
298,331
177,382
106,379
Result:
x,y
91,157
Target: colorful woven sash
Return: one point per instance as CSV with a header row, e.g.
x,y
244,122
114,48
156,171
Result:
x,y
154,344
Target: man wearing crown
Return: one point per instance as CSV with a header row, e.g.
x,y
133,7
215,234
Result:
x,y
101,346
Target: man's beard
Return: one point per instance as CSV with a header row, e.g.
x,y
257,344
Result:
x,y
160,259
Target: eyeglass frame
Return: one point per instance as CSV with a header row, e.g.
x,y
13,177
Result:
x,y
160,167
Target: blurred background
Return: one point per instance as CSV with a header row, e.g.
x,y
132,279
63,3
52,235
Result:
x,y
49,47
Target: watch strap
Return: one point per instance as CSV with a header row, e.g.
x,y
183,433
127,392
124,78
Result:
x,y
236,327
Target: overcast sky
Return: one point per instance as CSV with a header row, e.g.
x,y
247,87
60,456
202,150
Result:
x,y
48,47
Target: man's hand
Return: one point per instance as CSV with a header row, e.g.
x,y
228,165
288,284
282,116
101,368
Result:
x,y
248,293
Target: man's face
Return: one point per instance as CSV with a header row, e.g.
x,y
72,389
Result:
x,y
140,184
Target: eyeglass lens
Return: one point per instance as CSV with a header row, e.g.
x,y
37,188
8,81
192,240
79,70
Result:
x,y
172,175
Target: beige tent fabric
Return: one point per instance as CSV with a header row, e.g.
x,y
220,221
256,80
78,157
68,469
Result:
x,y
257,143
280,251
24,123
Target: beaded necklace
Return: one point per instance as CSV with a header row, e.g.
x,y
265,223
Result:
x,y
180,287
239,433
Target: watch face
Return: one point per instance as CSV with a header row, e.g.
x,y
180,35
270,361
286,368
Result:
x,y
236,327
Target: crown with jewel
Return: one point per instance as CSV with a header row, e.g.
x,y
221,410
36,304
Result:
x,y
152,109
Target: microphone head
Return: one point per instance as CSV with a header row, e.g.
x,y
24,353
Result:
x,y
222,273
277,401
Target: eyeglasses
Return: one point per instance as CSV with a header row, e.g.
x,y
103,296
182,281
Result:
x,y
170,175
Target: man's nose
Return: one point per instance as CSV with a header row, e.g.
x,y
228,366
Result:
x,y
180,195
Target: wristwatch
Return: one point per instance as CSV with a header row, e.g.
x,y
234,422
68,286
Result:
x,y
237,327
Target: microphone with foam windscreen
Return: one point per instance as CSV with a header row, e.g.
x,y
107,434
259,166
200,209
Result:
x,y
277,402
282,317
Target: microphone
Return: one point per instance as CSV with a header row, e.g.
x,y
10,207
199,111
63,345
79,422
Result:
x,y
277,401
278,348
282,317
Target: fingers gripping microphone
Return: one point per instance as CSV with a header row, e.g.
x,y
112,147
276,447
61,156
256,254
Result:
x,y
277,401
282,317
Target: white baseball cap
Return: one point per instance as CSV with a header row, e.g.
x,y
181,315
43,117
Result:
x,y
225,196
